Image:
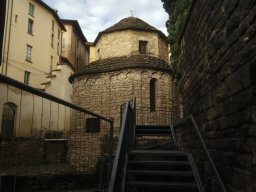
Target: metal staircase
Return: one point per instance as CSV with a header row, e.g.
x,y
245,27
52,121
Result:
x,y
155,167
147,159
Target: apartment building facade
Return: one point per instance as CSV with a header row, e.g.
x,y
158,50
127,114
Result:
x,y
74,44
31,41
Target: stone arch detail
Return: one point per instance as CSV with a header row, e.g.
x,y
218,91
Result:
x,y
152,94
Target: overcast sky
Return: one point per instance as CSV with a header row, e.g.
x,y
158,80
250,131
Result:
x,y
96,15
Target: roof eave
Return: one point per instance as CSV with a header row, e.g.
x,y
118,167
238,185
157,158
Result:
x,y
76,75
77,27
54,13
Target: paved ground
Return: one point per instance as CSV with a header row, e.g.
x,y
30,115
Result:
x,y
42,169
84,190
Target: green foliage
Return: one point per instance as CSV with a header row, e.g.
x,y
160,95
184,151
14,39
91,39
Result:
x,y
177,10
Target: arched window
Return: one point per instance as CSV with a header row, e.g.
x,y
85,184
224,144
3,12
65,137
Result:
x,y
152,87
8,119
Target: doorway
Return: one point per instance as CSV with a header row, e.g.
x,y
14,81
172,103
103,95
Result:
x,y
8,121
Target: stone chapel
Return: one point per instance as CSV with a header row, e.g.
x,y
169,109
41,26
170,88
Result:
x,y
131,60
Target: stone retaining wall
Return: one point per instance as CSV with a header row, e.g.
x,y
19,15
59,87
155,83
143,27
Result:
x,y
219,48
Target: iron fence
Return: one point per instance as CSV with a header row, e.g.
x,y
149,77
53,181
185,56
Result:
x,y
42,135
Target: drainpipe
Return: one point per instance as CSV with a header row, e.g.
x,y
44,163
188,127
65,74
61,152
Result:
x,y
6,15
9,39
2,28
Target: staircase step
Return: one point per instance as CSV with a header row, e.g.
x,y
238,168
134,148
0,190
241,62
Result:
x,y
158,152
169,163
153,134
165,127
154,130
145,184
160,173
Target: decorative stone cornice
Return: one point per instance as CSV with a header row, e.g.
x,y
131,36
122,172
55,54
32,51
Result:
x,y
124,62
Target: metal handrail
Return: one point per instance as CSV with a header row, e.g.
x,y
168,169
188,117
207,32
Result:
x,y
126,138
22,86
206,150
173,135
197,178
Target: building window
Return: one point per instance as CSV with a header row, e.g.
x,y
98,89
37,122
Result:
x,y
29,53
30,26
143,47
16,19
58,34
58,48
26,77
52,25
8,121
52,40
152,92
31,9
51,64
92,125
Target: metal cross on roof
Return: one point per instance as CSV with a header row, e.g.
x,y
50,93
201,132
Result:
x,y
131,13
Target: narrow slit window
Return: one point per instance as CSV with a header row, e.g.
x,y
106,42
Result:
x,y
58,48
143,47
52,40
152,87
51,64
58,34
53,25
16,19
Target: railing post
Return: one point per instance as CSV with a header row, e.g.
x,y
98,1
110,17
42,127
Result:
x,y
134,119
173,135
111,131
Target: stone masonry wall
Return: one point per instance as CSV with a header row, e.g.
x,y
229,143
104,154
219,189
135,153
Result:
x,y
27,152
219,69
104,93
123,43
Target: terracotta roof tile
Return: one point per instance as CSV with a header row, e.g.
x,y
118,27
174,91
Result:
x,y
124,62
131,23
